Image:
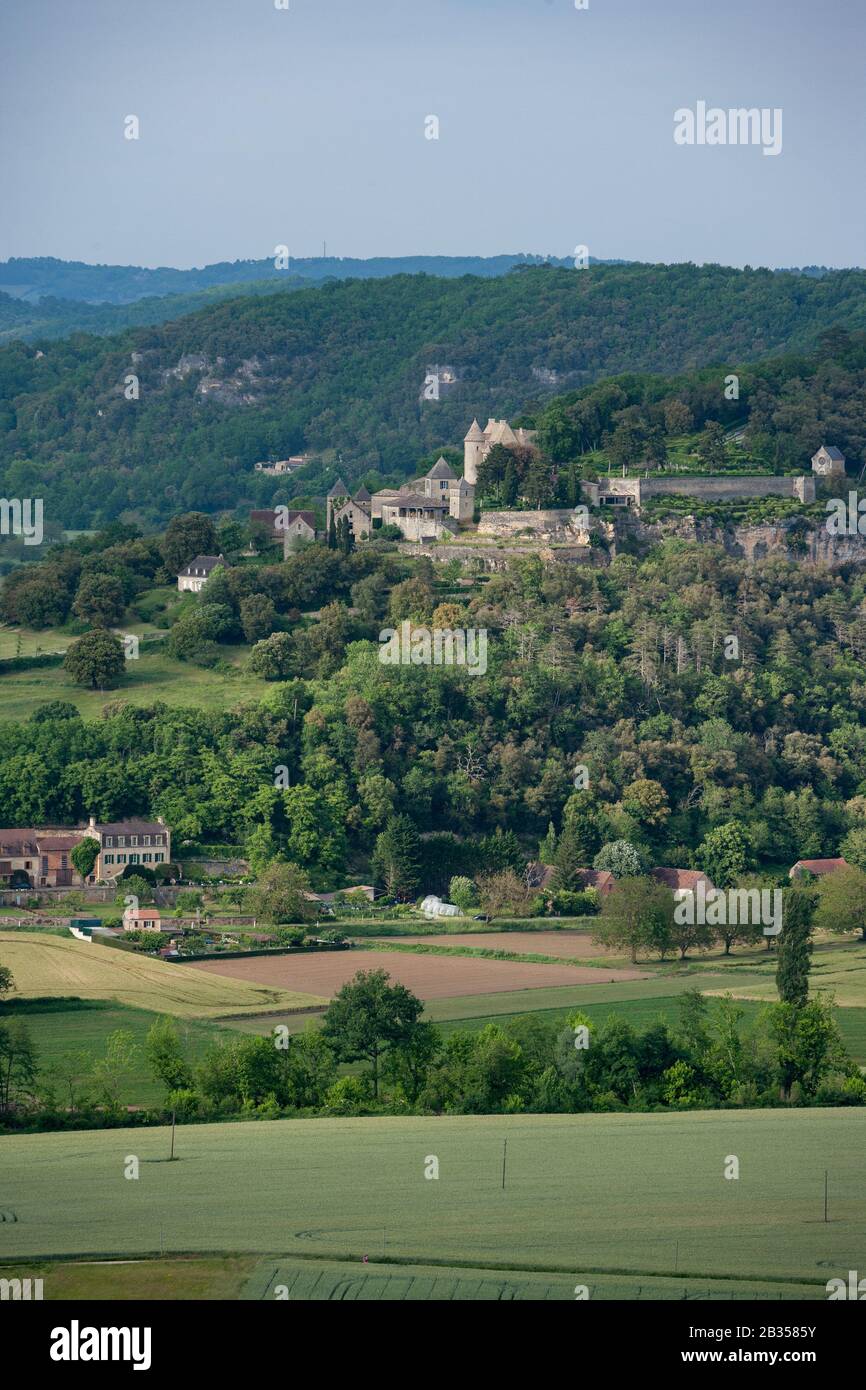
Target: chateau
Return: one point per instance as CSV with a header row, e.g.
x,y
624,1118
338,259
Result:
x,y
424,509
479,442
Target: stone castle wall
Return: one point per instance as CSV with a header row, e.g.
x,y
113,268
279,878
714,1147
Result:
x,y
727,488
547,525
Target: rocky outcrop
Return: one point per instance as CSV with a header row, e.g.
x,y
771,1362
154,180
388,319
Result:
x,y
812,544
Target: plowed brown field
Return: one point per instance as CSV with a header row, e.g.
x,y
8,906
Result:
x,y
430,977
540,943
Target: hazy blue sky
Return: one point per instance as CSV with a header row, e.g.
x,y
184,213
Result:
x,y
262,126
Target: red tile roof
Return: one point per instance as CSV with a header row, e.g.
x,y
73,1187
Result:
x,y
818,866
600,879
681,878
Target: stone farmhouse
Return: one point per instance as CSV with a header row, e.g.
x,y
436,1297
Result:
x,y
284,466
197,573
298,529
290,527
42,858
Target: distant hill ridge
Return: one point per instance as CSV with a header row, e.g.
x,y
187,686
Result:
x,y
34,278
340,369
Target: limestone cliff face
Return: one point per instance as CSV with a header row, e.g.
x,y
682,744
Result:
x,y
753,543
496,559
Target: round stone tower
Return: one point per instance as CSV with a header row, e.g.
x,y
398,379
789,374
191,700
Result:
x,y
473,452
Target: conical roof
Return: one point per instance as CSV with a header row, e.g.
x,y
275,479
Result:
x,y
362,495
475,435
441,469
339,489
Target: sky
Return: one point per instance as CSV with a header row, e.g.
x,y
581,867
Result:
x,y
262,127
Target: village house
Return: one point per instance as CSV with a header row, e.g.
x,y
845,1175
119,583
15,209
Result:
x,y
284,466
43,858
290,527
541,876
268,518
38,858
683,880
129,842
142,919
818,868
197,573
298,528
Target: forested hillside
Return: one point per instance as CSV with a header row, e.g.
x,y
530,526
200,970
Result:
x,y
693,757
785,407
342,367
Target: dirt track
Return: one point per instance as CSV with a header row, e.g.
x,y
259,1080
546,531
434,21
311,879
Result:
x,y
430,977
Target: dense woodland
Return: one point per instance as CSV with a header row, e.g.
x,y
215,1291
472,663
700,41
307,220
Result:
x,y
342,367
625,669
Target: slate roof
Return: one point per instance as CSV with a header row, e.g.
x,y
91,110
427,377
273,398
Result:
x,y
203,564
416,499
441,469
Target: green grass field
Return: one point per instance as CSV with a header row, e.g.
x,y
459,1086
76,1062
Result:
x,y
154,676
323,1281
174,1280
36,642
642,1196
641,1013
311,1280
57,1032
838,968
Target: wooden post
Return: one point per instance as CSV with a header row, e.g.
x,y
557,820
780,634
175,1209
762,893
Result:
x,y
504,1155
173,1119
826,1188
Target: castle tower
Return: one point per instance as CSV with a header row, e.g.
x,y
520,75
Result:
x,y
473,452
